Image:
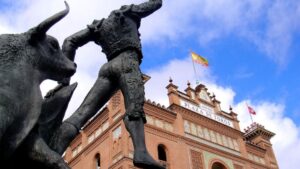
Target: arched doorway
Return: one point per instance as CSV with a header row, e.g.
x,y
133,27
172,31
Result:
x,y
218,165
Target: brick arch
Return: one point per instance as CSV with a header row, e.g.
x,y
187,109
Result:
x,y
164,146
218,161
97,154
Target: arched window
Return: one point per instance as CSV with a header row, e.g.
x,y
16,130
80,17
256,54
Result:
x,y
161,153
98,161
217,165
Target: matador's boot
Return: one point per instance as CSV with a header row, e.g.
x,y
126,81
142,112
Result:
x,y
141,157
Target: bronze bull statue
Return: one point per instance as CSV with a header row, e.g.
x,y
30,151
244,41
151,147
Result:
x,y
26,60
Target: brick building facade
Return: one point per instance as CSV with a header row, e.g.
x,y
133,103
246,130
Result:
x,y
191,133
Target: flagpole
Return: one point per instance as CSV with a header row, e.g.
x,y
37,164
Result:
x,y
249,113
194,69
195,72
251,117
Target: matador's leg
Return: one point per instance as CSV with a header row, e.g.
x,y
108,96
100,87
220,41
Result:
x,y
131,84
99,94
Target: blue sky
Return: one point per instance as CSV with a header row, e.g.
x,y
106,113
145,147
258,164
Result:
x,y
240,64
258,58
252,47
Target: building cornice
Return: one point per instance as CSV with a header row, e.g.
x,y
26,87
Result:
x,y
94,121
159,111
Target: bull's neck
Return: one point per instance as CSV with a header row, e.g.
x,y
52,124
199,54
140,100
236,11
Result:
x,y
21,82
28,74
37,76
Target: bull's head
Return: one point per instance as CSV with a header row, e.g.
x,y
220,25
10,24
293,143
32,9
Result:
x,y
48,56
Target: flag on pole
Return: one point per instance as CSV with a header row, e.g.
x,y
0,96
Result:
x,y
251,110
199,59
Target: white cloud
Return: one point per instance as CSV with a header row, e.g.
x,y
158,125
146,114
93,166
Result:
x,y
224,94
181,71
4,30
270,25
283,18
4,27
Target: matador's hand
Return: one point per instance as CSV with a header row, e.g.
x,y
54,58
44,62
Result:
x,y
53,91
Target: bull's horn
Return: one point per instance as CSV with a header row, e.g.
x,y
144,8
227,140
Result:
x,y
43,27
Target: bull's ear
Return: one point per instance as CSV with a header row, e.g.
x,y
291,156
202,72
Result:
x,y
39,32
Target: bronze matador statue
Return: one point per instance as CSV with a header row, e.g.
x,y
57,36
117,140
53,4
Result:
x,y
119,38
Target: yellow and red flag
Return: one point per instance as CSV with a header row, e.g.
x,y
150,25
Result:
x,y
199,59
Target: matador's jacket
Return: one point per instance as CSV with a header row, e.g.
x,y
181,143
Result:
x,y
115,34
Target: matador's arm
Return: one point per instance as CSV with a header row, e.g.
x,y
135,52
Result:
x,y
146,8
76,40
